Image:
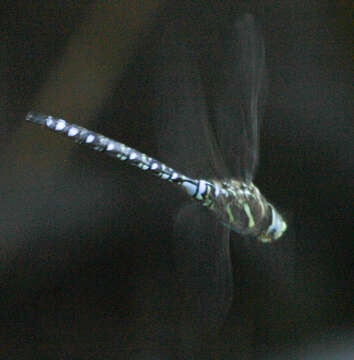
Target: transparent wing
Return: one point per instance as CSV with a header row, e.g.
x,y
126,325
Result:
x,y
238,98
185,140
203,267
201,243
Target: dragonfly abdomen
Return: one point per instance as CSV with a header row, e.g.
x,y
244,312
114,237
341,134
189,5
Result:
x,y
110,147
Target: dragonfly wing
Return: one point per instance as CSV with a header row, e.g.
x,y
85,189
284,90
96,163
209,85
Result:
x,y
238,98
201,244
203,268
185,141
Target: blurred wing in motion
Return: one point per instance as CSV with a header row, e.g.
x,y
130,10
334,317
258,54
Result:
x,y
185,140
203,267
238,98
201,243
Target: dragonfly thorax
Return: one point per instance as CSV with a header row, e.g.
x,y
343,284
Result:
x,y
242,207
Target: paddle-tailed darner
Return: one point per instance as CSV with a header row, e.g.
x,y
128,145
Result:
x,y
236,201
238,204
217,152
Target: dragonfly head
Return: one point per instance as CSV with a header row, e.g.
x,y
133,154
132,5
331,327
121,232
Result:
x,y
276,228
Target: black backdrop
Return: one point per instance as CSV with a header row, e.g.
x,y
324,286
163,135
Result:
x,y
85,241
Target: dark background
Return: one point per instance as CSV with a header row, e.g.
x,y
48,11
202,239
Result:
x,y
85,241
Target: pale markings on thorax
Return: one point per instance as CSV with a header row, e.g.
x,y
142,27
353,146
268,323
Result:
x,y
248,212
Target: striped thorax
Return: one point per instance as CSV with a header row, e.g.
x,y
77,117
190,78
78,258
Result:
x,y
239,206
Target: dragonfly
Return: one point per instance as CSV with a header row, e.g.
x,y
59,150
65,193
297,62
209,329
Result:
x,y
225,199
